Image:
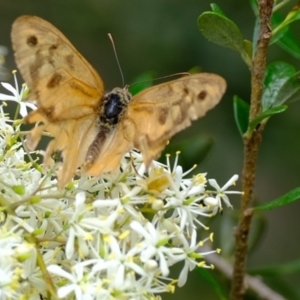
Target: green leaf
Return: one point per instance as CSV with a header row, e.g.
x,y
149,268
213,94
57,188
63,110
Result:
x,y
277,74
254,6
208,276
222,31
276,21
248,47
292,16
290,44
288,198
286,41
241,114
279,35
215,8
283,37
290,91
265,115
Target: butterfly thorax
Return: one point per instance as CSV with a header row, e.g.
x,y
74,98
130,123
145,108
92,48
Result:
x,y
113,107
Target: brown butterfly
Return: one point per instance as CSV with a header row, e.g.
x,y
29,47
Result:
x,y
91,129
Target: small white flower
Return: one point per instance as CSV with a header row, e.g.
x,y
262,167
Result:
x,y
76,229
77,281
153,245
221,193
192,257
17,96
119,262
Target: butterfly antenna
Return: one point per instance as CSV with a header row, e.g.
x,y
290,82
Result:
x,y
117,59
162,77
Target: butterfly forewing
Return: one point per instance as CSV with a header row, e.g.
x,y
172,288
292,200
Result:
x,y
58,76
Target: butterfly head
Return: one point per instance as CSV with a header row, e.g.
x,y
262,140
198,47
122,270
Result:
x,y
122,94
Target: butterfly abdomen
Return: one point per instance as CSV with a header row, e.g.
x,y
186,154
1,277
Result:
x,y
95,148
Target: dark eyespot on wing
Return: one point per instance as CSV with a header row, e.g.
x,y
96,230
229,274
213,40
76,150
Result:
x,y
70,61
49,112
202,95
55,80
163,115
186,91
32,41
53,47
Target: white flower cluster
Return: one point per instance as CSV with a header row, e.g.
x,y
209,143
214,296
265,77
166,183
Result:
x,y
114,237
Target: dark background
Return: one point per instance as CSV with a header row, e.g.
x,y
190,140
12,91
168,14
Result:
x,y
162,37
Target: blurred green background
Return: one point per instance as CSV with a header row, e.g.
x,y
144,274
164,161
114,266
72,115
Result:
x,y
161,36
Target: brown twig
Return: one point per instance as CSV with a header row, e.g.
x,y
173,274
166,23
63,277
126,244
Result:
x,y
251,145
